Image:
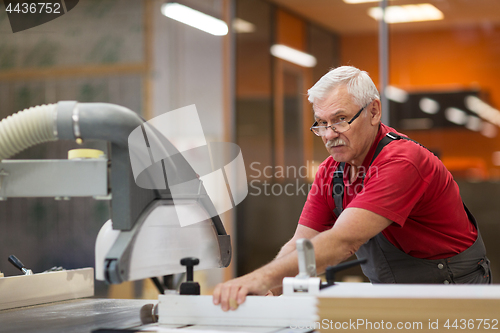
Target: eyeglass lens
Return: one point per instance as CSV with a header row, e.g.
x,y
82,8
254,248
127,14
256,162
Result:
x,y
338,127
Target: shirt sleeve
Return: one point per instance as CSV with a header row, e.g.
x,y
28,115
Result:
x,y
317,213
392,190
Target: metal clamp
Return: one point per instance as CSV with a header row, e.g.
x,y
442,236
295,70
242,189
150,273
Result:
x,y
306,281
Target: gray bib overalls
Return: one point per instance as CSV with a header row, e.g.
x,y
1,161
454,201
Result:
x,y
388,264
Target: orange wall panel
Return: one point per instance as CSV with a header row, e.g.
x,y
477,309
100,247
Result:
x,y
466,57
253,61
361,51
290,30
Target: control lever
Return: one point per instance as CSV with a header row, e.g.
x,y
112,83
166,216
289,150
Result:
x,y
189,287
331,270
306,281
18,264
307,259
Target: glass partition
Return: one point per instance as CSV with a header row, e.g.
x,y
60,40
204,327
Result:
x,y
273,119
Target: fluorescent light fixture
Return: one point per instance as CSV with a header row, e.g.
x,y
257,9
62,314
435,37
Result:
x,y
456,116
474,123
297,57
396,94
243,27
428,105
482,109
194,18
407,13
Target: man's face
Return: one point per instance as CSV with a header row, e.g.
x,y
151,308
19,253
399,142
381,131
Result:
x,y
353,145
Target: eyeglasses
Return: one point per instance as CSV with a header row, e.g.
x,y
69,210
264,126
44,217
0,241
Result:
x,y
340,127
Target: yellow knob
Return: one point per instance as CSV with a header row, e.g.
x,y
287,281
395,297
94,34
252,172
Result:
x,y
84,153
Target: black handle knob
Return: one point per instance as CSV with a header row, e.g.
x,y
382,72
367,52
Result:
x,y
189,262
189,287
330,271
16,262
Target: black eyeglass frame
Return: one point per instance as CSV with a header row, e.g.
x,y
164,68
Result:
x,y
348,122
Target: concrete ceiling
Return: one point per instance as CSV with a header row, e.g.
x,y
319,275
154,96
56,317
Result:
x,y
343,18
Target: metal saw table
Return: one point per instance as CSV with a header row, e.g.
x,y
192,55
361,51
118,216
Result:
x,y
89,314
73,316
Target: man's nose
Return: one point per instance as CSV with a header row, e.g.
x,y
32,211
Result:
x,y
330,134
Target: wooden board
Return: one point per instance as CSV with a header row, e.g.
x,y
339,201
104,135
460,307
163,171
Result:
x,y
436,308
282,311
25,290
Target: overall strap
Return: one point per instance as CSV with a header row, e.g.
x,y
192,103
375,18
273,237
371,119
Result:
x,y
391,136
338,189
338,176
384,142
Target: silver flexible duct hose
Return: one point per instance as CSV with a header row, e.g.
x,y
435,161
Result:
x,y
27,128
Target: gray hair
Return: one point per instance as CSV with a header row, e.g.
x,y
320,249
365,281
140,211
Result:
x,y
359,85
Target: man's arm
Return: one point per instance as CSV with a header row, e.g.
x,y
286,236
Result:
x,y
354,227
301,232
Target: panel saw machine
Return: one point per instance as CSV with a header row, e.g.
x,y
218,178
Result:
x,y
147,235
144,237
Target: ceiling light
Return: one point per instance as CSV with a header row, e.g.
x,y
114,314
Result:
x,y
194,18
428,105
474,123
396,94
242,26
456,116
407,13
482,109
297,57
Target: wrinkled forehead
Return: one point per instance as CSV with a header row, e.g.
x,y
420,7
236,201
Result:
x,y
338,101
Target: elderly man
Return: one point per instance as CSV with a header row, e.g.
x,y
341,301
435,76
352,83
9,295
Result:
x,y
379,195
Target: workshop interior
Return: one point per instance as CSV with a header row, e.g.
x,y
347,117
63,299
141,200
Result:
x,y
71,198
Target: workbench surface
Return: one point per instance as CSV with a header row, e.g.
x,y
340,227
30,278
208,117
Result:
x,y
74,316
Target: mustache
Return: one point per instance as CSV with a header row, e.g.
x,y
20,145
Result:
x,y
334,143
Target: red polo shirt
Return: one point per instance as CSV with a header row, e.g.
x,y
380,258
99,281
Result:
x,y
408,185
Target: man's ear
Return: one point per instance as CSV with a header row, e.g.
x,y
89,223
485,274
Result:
x,y
375,111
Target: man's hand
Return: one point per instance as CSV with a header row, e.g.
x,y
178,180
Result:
x,y
233,293
353,228
260,282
